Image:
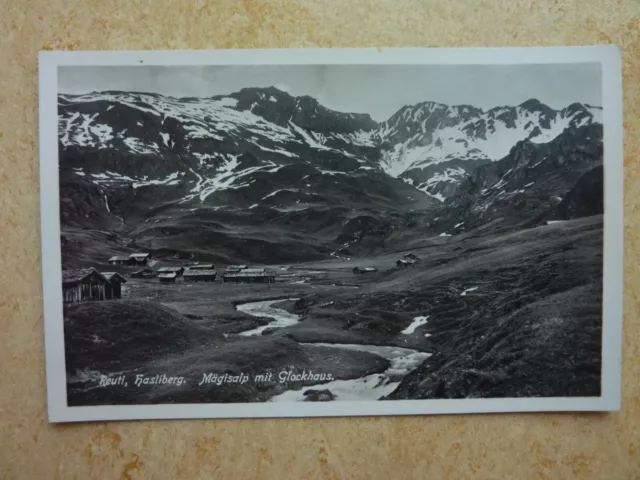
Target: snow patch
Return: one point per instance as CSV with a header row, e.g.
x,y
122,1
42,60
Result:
x,y
165,138
437,196
278,150
138,146
330,172
417,321
172,179
227,102
472,289
104,134
278,191
84,137
204,158
106,202
227,177
308,137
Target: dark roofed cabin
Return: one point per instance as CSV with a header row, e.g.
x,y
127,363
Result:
x,y
116,280
84,286
405,263
177,270
235,268
133,259
199,275
410,256
204,266
118,260
139,258
253,275
144,273
359,271
169,277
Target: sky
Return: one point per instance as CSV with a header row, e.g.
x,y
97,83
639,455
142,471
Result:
x,y
379,90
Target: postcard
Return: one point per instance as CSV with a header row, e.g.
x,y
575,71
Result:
x,y
331,232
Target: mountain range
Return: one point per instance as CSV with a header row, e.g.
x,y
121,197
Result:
x,y
260,175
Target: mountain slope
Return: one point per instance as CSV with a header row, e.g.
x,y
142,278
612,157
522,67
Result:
x,y
433,146
530,182
211,177
261,175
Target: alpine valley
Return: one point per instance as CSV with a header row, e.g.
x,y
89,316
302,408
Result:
x,y
503,208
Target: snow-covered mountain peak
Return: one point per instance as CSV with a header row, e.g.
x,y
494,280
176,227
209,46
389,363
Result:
x,y
429,133
535,105
435,145
432,144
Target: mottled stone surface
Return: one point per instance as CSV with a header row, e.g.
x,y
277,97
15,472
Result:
x,y
482,446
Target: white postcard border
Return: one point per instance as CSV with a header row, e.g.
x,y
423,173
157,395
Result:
x,y
609,56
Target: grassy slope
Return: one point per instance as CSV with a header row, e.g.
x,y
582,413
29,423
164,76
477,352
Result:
x,y
536,310
258,355
132,337
546,348
532,328
545,279
118,333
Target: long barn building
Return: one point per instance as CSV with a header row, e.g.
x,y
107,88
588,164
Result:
x,y
248,275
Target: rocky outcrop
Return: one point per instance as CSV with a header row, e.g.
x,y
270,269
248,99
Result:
x,y
312,395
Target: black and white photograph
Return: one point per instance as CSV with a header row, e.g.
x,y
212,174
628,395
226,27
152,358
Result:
x,y
323,233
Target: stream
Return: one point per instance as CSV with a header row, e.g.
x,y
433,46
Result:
x,y
282,318
369,387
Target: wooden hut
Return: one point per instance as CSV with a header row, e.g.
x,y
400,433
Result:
x,y
133,259
405,263
167,277
144,273
202,266
116,280
119,260
177,270
199,275
363,270
249,275
139,258
235,268
84,285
